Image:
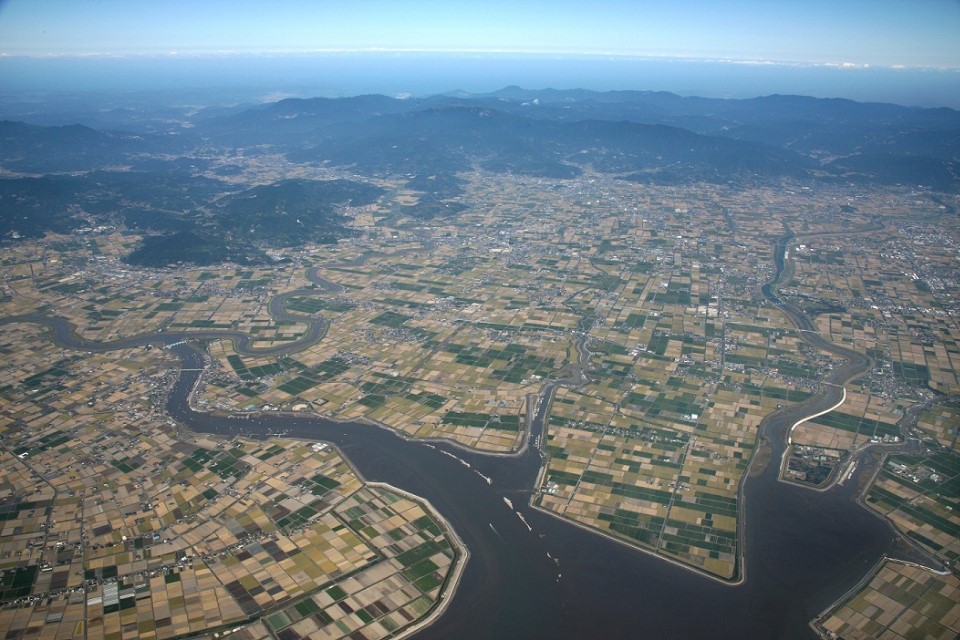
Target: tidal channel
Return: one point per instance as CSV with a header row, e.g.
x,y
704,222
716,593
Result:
x,y
801,549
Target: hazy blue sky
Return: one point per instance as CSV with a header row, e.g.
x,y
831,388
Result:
x,y
220,51
863,32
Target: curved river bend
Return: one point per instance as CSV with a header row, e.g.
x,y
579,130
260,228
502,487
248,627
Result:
x,y
801,549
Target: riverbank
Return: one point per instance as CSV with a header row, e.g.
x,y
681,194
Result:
x,y
510,583
461,557
535,576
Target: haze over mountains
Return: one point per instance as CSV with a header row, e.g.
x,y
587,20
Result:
x,y
162,171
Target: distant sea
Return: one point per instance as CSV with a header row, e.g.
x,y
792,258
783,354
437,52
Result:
x,y
224,79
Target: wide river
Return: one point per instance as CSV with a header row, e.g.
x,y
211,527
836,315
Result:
x,y
802,549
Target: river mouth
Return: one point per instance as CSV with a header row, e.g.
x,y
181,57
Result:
x,y
538,576
557,580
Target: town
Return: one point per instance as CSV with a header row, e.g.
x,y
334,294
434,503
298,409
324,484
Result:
x,y
637,306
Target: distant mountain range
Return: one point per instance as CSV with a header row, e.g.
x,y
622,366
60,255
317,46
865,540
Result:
x,y
153,172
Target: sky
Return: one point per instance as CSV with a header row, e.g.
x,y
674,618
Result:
x,y
735,48
862,32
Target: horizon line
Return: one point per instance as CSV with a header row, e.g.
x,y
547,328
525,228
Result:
x,y
673,57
